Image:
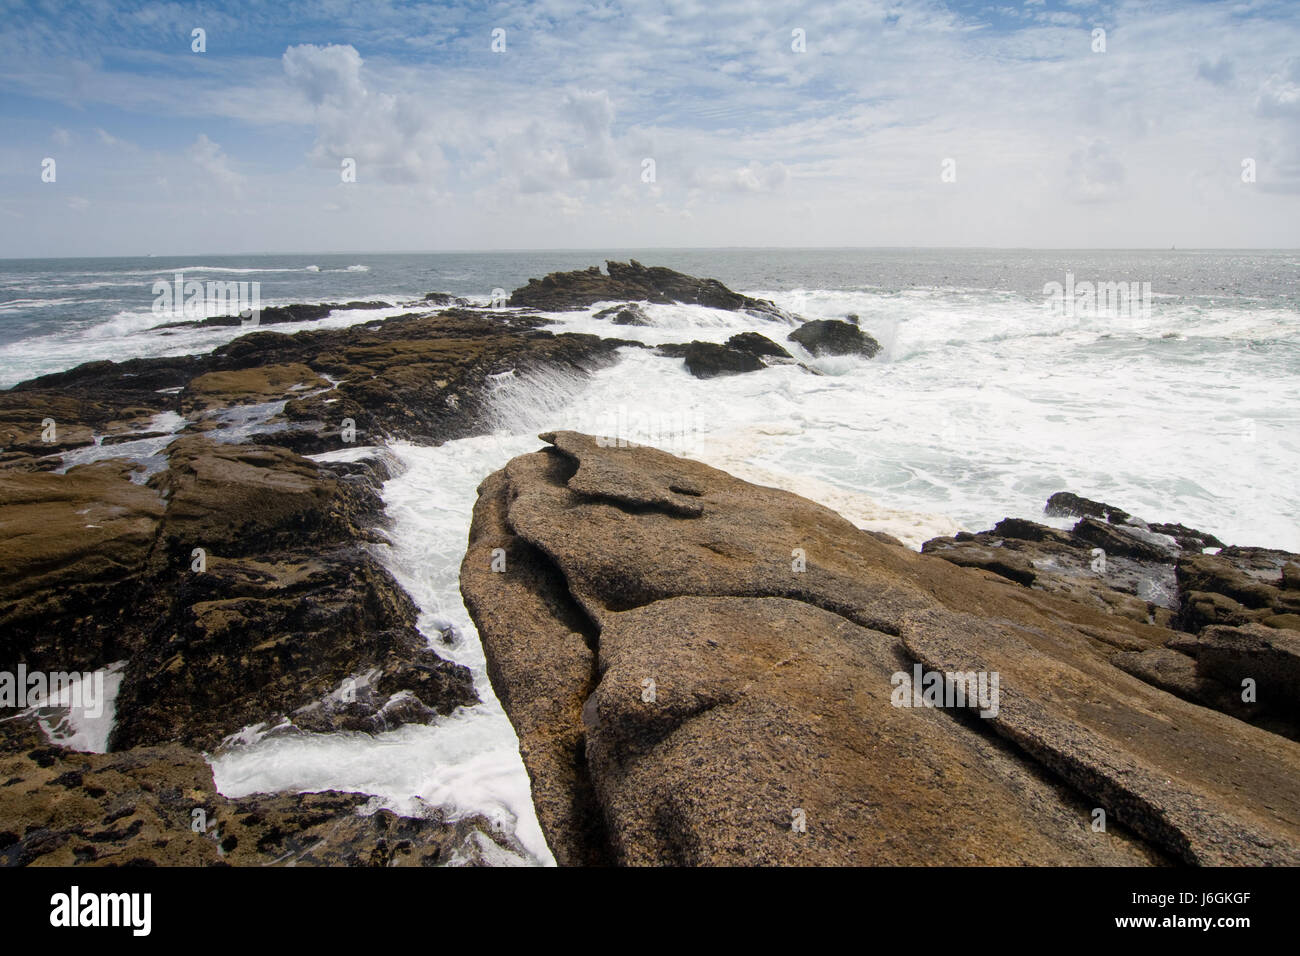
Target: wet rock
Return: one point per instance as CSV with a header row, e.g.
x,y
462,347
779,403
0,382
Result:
x,y
708,360
631,314
445,299
276,315
1237,586
1124,541
1065,504
833,337
756,344
247,641
1189,539
744,352
632,282
1068,564
245,386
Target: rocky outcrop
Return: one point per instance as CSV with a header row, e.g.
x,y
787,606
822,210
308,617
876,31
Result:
x,y
744,352
1124,566
229,579
279,314
833,337
632,282
1108,567
701,670
444,299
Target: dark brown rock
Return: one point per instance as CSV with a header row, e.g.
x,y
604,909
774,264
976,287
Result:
x,y
632,282
833,337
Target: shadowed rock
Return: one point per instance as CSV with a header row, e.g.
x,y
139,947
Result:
x,y
756,344
276,315
632,282
833,337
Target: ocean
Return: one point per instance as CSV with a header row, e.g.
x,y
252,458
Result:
x,y
984,400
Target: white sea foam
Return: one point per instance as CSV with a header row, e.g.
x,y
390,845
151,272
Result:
x,y
67,721
466,763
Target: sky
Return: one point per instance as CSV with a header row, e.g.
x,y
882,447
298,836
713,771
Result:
x,y
341,127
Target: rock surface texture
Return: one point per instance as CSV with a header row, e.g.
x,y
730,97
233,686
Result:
x,y
705,671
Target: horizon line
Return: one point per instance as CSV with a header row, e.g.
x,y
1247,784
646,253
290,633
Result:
x,y
600,250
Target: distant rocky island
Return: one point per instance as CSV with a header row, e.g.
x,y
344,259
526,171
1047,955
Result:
x,y
700,670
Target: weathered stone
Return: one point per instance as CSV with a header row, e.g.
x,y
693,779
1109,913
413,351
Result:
x,y
771,629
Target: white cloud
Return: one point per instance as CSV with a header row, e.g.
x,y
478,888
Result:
x,y
392,138
1280,94
328,74
212,161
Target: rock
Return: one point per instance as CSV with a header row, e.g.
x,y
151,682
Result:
x,y
1235,586
251,642
1065,504
631,314
833,337
1148,572
286,605
1189,539
756,344
987,556
445,299
707,360
233,578
424,378
1023,530
744,352
699,658
1177,673
1063,563
1125,541
73,559
1267,656
264,384
632,282
276,315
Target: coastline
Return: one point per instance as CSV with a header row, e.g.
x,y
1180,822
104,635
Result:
x,y
259,471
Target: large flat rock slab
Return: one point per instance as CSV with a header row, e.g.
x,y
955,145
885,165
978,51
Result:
x,y
694,658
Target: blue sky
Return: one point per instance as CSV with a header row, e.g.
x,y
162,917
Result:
x,y
1053,142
